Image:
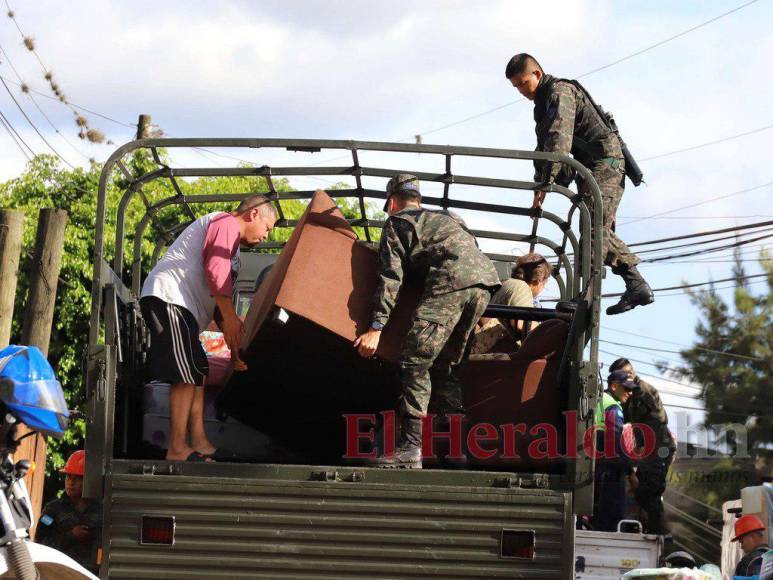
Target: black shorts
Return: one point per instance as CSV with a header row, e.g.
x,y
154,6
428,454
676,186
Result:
x,y
176,354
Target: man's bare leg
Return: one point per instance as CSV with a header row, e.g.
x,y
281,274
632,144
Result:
x,y
180,401
199,440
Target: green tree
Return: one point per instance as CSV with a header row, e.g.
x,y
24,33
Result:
x,y
732,361
45,183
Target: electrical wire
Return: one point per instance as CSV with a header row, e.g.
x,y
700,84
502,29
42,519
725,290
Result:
x,y
735,236
694,500
11,132
695,285
704,202
708,144
709,250
704,526
703,234
653,349
686,346
8,90
595,70
37,106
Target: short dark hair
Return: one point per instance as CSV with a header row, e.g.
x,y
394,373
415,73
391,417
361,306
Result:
x,y
618,364
258,200
531,268
520,63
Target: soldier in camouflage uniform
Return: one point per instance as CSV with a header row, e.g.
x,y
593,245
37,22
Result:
x,y
567,122
72,524
433,248
646,409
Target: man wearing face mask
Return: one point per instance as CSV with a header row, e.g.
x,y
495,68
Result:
x,y
567,122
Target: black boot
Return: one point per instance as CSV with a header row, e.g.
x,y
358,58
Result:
x,y
637,291
407,454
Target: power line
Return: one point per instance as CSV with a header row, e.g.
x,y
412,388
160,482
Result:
x,y
699,502
86,132
717,352
704,202
709,143
702,234
686,346
37,106
11,132
695,285
709,250
734,236
715,288
8,90
694,520
598,69
696,217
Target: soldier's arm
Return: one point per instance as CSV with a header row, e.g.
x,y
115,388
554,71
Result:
x,y
47,532
391,253
561,110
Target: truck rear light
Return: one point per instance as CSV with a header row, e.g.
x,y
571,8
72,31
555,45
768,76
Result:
x,y
157,530
517,544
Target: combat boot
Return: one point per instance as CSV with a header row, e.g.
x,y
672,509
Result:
x,y
637,291
407,454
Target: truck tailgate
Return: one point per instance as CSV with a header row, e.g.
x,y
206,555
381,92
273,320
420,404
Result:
x,y
261,521
608,555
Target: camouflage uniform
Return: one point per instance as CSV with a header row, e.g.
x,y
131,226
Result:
x,y
55,530
645,407
566,122
433,248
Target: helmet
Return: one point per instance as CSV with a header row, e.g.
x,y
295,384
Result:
x,y
679,560
30,391
746,525
75,464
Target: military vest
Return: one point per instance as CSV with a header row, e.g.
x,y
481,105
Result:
x,y
592,141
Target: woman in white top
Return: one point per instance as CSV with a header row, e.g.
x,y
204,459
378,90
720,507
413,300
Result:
x,y
528,279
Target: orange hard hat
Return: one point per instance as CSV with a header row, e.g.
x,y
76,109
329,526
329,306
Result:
x,y
75,464
746,525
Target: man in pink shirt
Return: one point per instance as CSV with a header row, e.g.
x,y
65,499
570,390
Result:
x,y
178,301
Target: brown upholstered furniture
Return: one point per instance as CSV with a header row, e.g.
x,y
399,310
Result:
x,y
304,372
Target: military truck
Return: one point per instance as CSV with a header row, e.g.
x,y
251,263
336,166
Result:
x,y
301,510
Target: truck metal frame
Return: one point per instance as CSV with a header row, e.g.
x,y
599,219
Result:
x,y
134,487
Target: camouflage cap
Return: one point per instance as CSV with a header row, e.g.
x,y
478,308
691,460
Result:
x,y
402,183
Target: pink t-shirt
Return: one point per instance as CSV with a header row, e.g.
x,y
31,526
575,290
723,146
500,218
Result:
x,y
221,258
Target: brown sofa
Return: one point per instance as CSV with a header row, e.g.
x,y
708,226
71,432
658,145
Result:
x,y
304,373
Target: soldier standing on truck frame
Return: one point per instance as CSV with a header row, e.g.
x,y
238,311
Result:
x,y
568,122
435,249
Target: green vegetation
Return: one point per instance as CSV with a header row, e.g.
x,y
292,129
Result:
x,y
45,183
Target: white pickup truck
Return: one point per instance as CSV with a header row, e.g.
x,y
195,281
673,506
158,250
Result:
x,y
608,555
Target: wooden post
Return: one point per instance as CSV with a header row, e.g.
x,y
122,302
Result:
x,y
143,127
11,230
38,318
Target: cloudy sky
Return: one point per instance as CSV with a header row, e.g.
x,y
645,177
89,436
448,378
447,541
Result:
x,y
386,71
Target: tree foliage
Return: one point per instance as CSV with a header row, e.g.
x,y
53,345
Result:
x,y
45,183
732,361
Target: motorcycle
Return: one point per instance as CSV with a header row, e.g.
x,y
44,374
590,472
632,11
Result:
x,y
29,395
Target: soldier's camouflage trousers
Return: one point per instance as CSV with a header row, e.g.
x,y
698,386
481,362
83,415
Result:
x,y
611,181
434,348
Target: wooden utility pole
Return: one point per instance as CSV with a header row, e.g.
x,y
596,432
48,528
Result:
x,y
143,127
38,318
11,230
